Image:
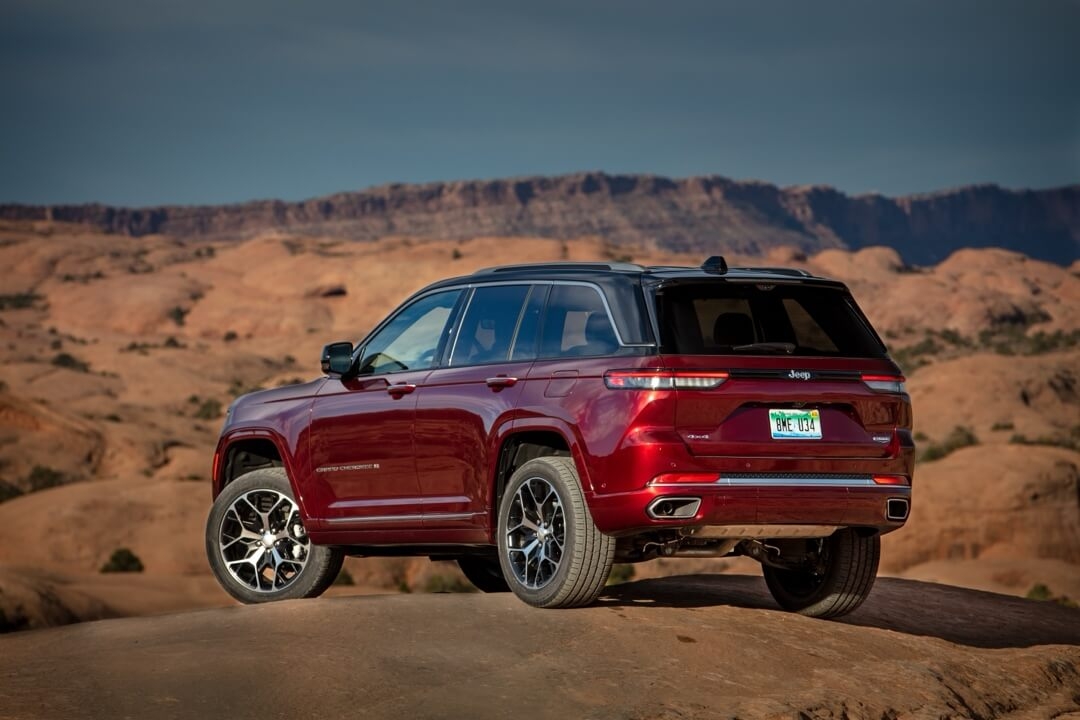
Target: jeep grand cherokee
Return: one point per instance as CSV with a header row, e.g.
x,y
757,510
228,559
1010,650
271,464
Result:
x,y
537,423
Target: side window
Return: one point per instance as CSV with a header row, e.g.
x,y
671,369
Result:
x,y
487,330
410,340
576,324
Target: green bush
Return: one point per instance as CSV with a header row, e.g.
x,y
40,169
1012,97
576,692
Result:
x,y
960,437
70,362
1042,593
8,491
177,315
18,301
123,561
210,409
620,573
42,478
1002,426
344,577
230,336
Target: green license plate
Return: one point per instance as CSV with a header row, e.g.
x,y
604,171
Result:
x,y
795,424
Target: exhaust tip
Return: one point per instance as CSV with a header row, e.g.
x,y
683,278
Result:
x,y
673,508
897,509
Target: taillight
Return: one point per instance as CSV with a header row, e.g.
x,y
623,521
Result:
x,y
885,383
664,379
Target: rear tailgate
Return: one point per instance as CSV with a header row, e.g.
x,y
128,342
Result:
x,y
789,407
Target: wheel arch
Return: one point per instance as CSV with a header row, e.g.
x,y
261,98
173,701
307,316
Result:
x,y
249,450
528,441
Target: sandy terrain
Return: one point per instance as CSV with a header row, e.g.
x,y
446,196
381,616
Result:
x,y
681,647
119,356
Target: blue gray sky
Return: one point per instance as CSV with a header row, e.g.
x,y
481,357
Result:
x,y
140,102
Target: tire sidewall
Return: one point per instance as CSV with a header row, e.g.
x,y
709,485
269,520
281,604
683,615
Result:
x,y
547,595
264,479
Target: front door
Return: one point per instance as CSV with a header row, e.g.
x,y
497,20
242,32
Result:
x,y
363,450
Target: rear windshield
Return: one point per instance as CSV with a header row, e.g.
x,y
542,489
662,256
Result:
x,y
723,318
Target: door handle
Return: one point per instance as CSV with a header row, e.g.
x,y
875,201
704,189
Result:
x,y
400,389
501,381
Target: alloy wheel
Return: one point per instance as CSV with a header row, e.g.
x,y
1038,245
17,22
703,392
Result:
x,y
536,533
262,541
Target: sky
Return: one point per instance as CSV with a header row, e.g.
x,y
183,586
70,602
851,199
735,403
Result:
x,y
144,102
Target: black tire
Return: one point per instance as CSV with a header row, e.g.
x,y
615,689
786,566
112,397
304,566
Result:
x,y
484,573
265,499
850,563
570,574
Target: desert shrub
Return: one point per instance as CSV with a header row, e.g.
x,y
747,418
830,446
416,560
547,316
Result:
x,y
17,621
238,388
1002,426
70,362
171,342
230,336
43,478
447,584
1070,443
113,417
344,577
920,436
959,437
1042,593
210,409
3,386
620,573
123,561
8,491
456,254
18,301
177,315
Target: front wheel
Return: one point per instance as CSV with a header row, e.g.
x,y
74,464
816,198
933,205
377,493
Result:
x,y
257,546
844,568
551,552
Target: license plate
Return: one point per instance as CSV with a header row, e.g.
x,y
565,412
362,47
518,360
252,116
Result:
x,y
795,424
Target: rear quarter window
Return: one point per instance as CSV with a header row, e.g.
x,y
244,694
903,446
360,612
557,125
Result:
x,y
725,318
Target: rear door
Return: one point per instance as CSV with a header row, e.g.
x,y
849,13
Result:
x,y
799,372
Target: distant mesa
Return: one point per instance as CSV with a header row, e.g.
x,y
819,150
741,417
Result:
x,y
707,215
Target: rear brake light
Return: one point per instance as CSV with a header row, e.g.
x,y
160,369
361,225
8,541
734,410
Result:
x,y
664,379
885,383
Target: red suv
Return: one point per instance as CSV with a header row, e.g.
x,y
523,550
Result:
x,y
539,422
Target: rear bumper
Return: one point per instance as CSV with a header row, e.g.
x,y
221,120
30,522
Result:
x,y
778,499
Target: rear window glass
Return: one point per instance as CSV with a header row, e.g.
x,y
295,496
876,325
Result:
x,y
721,318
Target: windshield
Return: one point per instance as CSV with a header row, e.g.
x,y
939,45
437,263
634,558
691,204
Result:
x,y
724,318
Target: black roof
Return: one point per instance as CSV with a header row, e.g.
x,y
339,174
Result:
x,y
576,270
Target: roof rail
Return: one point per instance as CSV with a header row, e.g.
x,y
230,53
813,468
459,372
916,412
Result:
x,y
556,266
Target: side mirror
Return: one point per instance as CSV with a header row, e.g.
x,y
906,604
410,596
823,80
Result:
x,y
337,358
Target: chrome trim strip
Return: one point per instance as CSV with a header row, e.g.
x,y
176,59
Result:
x,y
842,482
400,518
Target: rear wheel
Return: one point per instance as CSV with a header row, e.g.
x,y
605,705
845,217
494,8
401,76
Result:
x,y
840,573
257,545
484,573
552,554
